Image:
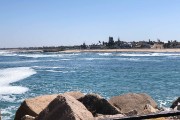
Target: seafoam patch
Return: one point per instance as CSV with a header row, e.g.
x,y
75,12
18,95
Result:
x,y
10,75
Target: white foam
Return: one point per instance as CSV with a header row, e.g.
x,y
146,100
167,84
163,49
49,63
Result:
x,y
104,54
147,54
7,113
96,59
46,67
52,55
17,62
65,59
57,71
38,55
130,59
10,75
164,103
121,59
7,98
13,90
7,53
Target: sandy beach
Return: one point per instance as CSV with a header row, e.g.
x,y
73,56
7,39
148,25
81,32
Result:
x,y
122,50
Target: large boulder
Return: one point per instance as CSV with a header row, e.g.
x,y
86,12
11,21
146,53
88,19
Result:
x,y
175,103
65,107
132,101
98,105
75,94
33,106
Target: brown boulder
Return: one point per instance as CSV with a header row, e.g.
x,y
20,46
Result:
x,y
75,94
175,103
132,101
65,107
98,105
33,106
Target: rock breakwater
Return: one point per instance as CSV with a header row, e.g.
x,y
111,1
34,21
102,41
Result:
x,y
77,106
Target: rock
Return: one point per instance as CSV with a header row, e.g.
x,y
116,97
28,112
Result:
x,y
132,101
175,103
131,113
33,106
109,117
177,107
27,117
148,109
98,105
65,107
75,94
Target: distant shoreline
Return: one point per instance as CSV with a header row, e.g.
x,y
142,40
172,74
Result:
x,y
97,50
122,50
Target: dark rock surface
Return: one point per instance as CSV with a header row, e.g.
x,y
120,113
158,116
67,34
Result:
x,y
175,103
98,105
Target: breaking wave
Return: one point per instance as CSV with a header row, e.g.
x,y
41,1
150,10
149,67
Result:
x,y
147,54
46,55
11,75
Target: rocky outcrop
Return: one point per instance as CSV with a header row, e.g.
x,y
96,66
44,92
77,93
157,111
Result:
x,y
65,107
98,105
33,106
132,101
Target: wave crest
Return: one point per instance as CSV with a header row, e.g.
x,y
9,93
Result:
x,y
10,75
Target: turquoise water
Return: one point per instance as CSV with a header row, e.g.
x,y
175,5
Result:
x,y
24,75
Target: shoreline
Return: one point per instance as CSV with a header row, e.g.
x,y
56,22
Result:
x,y
121,50
100,50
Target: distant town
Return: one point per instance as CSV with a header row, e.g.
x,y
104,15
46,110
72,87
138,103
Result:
x,y
111,44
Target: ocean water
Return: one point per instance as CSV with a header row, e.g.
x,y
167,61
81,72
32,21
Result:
x,y
25,75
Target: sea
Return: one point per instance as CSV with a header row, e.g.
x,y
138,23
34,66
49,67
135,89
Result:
x,y
25,75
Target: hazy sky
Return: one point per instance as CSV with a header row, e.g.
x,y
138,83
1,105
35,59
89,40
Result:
x,y
25,23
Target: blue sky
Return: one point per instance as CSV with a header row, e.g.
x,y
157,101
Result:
x,y
25,23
